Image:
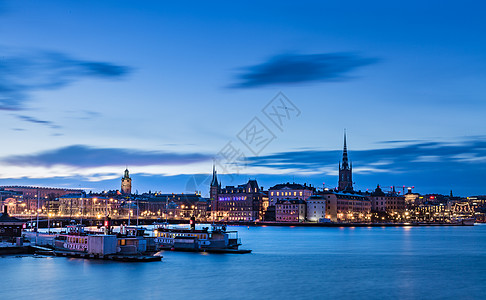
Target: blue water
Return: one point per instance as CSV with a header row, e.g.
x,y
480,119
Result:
x,y
286,263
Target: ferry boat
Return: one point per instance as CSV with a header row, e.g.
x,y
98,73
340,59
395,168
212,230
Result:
x,y
76,239
214,239
129,241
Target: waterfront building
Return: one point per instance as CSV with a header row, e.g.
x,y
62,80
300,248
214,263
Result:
x,y
34,198
316,208
173,206
347,206
14,202
10,227
126,183
238,203
478,204
345,182
387,206
292,210
411,198
88,206
387,202
288,190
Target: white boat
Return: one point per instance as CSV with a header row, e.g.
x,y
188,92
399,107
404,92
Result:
x,y
214,239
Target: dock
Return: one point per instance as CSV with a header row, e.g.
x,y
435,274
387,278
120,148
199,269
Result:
x,y
113,257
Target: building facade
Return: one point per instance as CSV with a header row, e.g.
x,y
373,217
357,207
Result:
x,y
347,207
292,210
34,198
89,206
238,203
289,191
387,202
316,208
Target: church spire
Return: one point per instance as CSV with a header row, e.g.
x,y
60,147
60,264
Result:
x,y
214,181
345,170
345,153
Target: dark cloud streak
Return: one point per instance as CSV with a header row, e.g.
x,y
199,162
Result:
x,y
299,69
407,158
84,156
23,72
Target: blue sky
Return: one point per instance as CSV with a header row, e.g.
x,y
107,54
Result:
x,y
88,88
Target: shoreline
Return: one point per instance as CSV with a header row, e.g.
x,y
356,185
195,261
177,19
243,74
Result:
x,y
296,224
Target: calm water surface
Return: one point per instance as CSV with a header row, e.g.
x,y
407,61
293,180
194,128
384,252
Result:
x,y
286,263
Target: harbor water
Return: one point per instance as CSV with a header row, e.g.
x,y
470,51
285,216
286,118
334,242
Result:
x,y
286,263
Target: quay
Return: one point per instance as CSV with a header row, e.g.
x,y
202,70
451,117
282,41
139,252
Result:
x,y
113,257
337,224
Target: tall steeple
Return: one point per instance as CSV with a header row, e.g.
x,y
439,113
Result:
x,y
214,190
214,181
345,170
345,152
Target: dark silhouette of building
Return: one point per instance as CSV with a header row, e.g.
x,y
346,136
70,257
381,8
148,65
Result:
x,y
345,171
10,227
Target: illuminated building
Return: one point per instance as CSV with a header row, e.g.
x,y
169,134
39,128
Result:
x,y
126,184
316,208
289,191
238,203
292,210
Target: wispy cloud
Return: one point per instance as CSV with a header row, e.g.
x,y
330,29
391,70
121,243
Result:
x,y
410,157
22,72
37,121
84,157
459,166
301,68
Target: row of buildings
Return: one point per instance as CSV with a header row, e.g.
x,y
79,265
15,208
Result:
x,y
285,202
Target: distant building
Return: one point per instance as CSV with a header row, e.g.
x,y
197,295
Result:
x,y
237,203
387,202
345,171
9,227
34,198
173,206
289,191
387,206
347,207
126,184
14,202
316,208
292,210
88,206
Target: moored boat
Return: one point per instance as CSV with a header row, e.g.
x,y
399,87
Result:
x,y
215,238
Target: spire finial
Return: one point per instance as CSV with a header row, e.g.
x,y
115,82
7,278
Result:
x,y
345,152
214,181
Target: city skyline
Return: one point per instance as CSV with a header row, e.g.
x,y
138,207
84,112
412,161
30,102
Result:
x,y
163,88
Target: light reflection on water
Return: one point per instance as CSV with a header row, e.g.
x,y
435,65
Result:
x,y
286,263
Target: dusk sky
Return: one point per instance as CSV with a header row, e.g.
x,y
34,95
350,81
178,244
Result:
x,y
88,88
